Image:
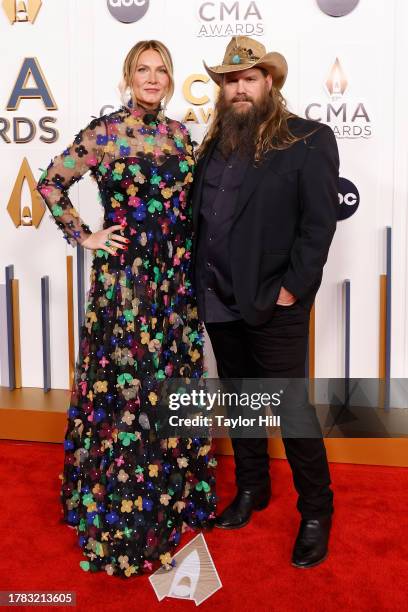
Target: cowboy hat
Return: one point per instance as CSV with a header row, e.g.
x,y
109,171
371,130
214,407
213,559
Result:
x,y
242,53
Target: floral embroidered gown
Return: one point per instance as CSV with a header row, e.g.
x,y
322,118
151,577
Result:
x,y
127,492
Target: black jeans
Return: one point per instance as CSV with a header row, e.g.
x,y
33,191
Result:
x,y
276,349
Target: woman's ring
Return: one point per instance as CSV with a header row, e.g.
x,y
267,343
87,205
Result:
x,y
108,243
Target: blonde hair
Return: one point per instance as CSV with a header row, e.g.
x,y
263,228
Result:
x,y
130,63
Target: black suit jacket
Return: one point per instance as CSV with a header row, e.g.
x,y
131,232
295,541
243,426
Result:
x,y
284,221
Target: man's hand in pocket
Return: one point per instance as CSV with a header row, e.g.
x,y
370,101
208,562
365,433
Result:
x,y
285,298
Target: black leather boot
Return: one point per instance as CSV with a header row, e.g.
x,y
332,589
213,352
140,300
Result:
x,y
238,513
311,543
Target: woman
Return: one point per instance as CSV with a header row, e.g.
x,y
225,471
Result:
x,y
126,491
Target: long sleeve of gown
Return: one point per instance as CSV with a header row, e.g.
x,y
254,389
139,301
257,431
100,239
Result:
x,y
83,155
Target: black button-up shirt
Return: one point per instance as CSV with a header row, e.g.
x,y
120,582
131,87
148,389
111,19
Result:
x,y
222,180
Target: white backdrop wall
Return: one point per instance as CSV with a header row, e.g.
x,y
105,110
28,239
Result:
x,y
80,47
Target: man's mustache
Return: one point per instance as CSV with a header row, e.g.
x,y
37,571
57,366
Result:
x,y
243,98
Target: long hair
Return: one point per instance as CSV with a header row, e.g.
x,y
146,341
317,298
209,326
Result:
x,y
272,133
130,63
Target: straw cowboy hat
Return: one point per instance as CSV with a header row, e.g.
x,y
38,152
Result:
x,y
242,53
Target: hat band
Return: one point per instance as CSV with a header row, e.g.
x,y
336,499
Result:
x,y
237,59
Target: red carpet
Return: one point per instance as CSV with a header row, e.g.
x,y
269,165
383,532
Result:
x,y
367,568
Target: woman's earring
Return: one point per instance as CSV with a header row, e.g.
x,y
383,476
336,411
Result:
x,y
128,96
125,93
161,115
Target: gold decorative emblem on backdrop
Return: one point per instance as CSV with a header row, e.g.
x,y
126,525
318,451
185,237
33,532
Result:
x,y
33,213
19,11
336,81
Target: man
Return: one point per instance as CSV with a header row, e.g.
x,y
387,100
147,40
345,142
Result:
x,y
264,201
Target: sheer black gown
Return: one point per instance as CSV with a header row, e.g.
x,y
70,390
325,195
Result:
x,y
127,492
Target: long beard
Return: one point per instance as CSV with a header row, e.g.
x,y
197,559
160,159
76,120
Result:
x,y
239,129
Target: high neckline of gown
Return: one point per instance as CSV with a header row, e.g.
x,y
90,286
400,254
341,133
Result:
x,y
148,116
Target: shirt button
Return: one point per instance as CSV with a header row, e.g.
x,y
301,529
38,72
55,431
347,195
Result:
x,y
222,189
229,165
208,264
214,213
209,289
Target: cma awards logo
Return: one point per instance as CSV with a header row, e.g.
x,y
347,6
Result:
x,y
29,85
128,11
347,119
195,91
20,12
194,576
349,199
229,18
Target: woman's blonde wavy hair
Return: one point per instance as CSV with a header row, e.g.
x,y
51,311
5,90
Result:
x,y
130,63
273,133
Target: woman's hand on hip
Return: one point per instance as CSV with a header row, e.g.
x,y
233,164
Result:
x,y
107,240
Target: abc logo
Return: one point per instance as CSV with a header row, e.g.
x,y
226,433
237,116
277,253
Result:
x,y
128,11
349,199
337,8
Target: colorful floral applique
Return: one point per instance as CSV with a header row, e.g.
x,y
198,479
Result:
x,y
126,490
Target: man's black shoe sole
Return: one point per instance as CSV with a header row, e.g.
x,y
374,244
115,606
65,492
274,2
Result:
x,y
261,506
311,564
